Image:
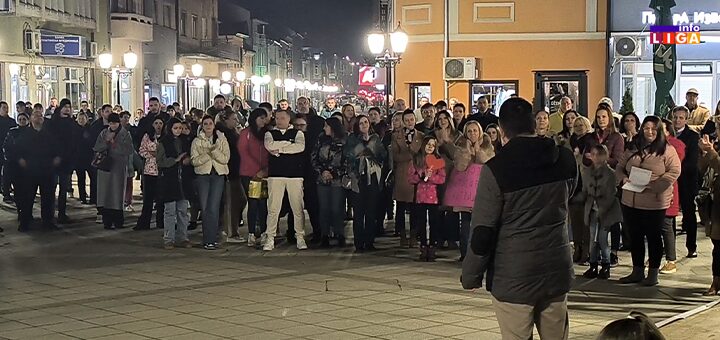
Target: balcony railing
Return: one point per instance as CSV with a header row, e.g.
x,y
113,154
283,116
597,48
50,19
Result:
x,y
213,47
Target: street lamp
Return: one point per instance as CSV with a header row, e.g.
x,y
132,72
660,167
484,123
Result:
x,y
240,76
196,70
178,70
226,76
388,57
118,73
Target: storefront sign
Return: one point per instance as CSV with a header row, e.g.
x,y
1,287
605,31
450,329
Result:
x,y
60,45
698,18
371,76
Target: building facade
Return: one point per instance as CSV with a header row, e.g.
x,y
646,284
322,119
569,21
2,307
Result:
x,y
49,50
540,50
698,66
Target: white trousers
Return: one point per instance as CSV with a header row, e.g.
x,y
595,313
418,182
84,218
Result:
x,y
277,186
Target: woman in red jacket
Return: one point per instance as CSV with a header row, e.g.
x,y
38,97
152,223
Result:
x,y
254,167
668,228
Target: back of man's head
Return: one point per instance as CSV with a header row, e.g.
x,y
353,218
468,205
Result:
x,y
516,118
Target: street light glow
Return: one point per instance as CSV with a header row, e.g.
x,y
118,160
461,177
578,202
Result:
x,y
196,69
240,76
226,76
398,41
130,59
278,82
266,79
178,70
255,80
104,59
376,42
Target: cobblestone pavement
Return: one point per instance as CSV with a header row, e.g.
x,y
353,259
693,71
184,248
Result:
x,y
88,283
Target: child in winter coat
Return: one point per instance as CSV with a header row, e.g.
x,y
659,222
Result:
x,y
602,209
427,172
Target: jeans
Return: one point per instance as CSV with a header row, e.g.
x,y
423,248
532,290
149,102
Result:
x,y
176,221
364,214
235,201
257,210
645,224
599,244
332,210
427,223
668,237
149,202
210,190
64,182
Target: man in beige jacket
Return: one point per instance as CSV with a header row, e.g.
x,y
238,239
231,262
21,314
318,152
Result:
x,y
699,114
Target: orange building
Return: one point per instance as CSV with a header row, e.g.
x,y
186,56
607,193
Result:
x,y
540,50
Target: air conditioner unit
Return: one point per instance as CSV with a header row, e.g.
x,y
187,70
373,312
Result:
x,y
627,47
93,50
32,41
460,68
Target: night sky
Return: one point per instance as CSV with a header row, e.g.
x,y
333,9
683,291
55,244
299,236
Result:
x,y
328,24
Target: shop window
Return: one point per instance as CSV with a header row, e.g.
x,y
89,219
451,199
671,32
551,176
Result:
x,y
496,92
418,91
168,93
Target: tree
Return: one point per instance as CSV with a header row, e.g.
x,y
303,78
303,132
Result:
x,y
627,104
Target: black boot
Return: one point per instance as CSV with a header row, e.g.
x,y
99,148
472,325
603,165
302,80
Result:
x,y
637,275
604,273
341,242
423,254
431,254
592,272
325,243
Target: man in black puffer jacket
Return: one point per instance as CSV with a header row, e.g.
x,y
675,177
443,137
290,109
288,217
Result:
x,y
64,128
519,236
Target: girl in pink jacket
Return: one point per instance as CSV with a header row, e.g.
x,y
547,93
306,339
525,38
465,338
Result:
x,y
427,172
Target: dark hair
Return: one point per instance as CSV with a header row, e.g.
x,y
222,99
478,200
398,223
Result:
x,y
516,117
283,111
460,105
356,126
38,106
344,106
338,130
449,117
682,108
375,108
441,103
267,106
151,128
20,103
637,326
197,112
622,122
84,102
62,104
252,123
669,127
604,106
408,112
541,110
22,114
124,113
419,158
218,97
601,149
107,106
565,132
427,106
337,114
152,99
283,100
168,126
175,104
657,146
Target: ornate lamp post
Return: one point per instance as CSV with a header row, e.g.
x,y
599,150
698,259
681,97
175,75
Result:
x,y
387,56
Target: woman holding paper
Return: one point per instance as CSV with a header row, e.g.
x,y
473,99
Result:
x,y
647,176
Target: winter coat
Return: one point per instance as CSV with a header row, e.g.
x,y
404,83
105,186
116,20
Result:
x,y
712,160
614,142
232,139
358,153
327,155
601,203
556,121
426,192
674,208
148,151
85,153
66,130
253,155
211,153
520,238
6,123
10,146
38,149
111,184
327,113
665,171
380,128
402,155
698,117
175,179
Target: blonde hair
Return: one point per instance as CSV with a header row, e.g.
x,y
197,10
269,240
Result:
x,y
586,122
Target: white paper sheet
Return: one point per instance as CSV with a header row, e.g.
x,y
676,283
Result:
x,y
639,179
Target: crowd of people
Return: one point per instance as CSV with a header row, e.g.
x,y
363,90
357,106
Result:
x,y
436,164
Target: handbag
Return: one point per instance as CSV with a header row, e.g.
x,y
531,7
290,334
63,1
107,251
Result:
x,y
258,189
102,161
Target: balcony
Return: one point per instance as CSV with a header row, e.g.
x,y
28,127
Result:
x,y
131,26
213,48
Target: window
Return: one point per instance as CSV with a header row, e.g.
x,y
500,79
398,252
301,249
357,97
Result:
x,y
260,29
183,23
194,26
204,28
156,9
167,16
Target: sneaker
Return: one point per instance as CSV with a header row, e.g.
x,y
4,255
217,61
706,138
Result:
x,y
129,208
169,246
301,245
8,200
263,238
252,240
210,246
192,226
98,219
692,254
669,268
269,245
236,239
